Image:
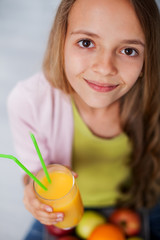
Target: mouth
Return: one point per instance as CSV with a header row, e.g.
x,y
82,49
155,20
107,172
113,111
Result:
x,y
101,87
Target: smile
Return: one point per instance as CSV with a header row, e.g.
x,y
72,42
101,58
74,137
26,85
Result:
x,y
101,87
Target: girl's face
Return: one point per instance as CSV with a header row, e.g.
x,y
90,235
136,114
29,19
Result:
x,y
104,50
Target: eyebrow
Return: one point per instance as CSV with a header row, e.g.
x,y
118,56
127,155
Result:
x,y
86,33
126,41
134,41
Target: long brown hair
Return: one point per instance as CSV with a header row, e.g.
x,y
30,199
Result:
x,y
140,112
53,64
140,107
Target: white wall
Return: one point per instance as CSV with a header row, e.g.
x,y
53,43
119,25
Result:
x,y
24,28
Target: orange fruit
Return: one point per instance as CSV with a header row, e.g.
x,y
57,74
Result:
x,y
107,231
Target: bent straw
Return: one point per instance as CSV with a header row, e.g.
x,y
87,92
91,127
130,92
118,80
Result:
x,y
40,157
24,168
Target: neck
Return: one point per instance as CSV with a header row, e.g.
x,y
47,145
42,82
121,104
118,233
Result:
x,y
104,122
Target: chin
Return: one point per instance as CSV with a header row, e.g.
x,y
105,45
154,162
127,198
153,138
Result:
x,y
100,103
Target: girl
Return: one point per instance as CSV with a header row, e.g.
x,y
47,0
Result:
x,y
98,111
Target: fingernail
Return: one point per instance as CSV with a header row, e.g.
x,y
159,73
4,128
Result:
x,y
59,215
48,209
59,219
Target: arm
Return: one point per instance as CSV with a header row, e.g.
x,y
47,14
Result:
x,y
25,107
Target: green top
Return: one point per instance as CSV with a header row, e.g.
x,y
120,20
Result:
x,y
100,164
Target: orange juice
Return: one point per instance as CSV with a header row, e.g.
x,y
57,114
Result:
x,y
62,194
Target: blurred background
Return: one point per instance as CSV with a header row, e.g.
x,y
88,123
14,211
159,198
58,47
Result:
x,y
24,29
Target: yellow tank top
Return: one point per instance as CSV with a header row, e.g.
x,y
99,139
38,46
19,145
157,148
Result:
x,y
101,164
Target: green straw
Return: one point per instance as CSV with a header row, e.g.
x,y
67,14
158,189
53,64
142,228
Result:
x,y
24,168
40,157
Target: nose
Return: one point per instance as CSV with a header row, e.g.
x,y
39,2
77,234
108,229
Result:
x,y
104,63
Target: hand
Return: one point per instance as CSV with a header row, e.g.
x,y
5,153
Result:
x,y
40,211
74,173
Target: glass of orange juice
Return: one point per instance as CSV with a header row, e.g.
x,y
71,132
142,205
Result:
x,y
62,194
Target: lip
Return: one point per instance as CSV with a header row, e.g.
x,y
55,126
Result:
x,y
101,87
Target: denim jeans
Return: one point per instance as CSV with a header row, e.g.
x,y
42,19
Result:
x,y
38,232
154,222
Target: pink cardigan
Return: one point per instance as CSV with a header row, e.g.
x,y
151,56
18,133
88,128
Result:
x,y
35,106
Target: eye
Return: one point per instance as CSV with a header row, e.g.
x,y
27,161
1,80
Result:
x,y
130,52
86,43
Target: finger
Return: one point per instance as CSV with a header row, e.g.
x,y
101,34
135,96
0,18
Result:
x,y
46,208
74,174
53,221
50,216
36,204
46,222
49,219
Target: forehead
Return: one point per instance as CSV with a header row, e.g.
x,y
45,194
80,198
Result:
x,y
105,16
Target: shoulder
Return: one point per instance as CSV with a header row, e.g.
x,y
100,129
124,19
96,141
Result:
x,y
33,87
35,91
35,97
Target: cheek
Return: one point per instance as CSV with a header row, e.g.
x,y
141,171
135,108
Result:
x,y
74,63
130,72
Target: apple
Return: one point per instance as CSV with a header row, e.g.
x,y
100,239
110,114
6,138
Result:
x,y
128,220
89,221
53,230
68,238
